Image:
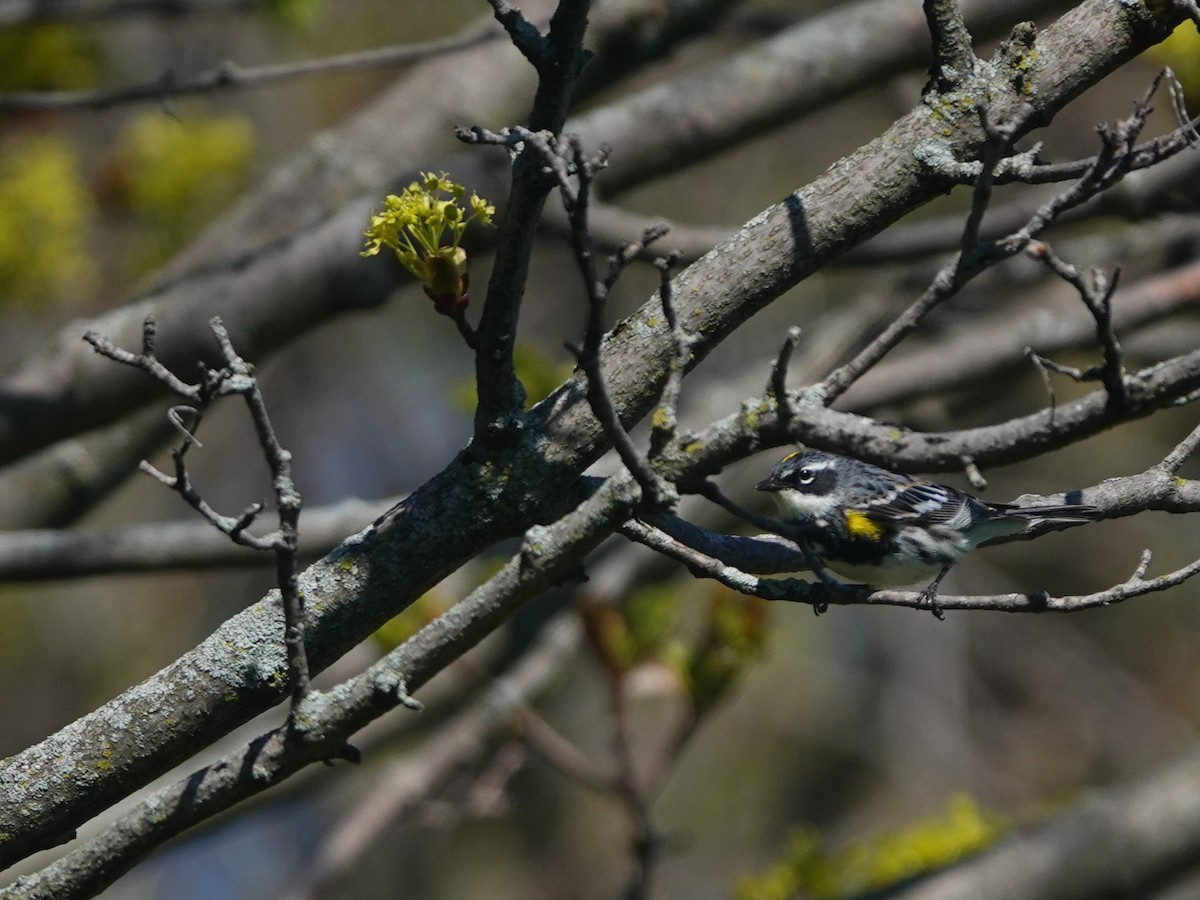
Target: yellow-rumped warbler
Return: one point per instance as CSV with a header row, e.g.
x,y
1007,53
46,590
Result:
x,y
884,528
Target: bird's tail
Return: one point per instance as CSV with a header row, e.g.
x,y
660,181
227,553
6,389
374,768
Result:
x,y
1065,513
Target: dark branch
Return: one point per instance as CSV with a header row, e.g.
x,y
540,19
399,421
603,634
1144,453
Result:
x,y
953,60
237,377
231,76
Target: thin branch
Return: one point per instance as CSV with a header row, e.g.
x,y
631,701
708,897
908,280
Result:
x,y
1181,453
777,385
987,348
146,360
561,754
231,76
665,421
402,787
237,377
1187,126
574,174
953,60
818,595
999,142
1164,385
524,35
1096,291
162,546
1110,165
628,786
971,259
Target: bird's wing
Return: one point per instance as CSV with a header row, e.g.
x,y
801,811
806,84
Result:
x,y
922,503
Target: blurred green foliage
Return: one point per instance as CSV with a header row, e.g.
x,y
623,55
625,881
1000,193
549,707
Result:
x,y
1181,51
708,659
809,870
45,210
732,639
538,371
398,629
299,14
49,57
174,175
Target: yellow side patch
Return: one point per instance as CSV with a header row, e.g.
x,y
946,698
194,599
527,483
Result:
x,y
860,525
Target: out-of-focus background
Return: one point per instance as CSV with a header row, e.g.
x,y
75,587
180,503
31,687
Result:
x,y
848,729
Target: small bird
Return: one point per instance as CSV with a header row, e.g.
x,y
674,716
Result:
x,y
883,528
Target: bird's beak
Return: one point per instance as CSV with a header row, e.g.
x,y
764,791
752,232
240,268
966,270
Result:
x,y
769,484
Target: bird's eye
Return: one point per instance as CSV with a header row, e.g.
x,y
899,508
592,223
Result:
x,y
806,475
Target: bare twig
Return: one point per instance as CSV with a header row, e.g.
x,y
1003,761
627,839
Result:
x,y
146,360
999,142
231,76
777,386
1096,290
237,377
560,753
1109,166
953,61
665,420
558,58
1181,453
818,594
1186,126
972,258
710,491
983,348
574,173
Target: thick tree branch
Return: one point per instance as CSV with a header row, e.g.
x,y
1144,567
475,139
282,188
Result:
x,y
286,258
759,427
558,58
405,785
550,555
1123,841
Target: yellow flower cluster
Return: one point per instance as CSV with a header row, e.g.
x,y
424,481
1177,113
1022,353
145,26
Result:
x,y
416,222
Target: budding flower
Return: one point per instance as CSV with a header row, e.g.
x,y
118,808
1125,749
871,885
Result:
x,y
416,222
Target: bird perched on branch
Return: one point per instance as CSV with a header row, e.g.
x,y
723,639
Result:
x,y
884,528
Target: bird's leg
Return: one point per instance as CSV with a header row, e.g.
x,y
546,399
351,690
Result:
x,y
818,567
929,595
